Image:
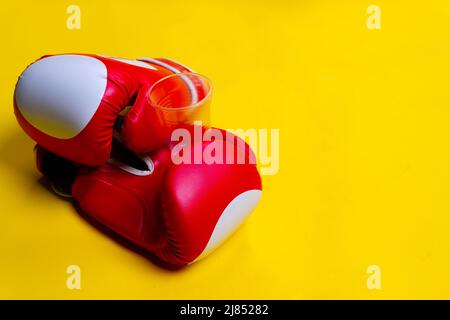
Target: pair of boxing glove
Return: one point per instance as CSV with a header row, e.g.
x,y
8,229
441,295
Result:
x,y
123,173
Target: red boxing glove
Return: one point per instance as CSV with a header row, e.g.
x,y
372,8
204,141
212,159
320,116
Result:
x,y
179,212
69,103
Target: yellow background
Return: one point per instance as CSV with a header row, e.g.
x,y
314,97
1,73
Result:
x,y
364,119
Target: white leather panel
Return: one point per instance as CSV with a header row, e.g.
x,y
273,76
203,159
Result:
x,y
60,94
233,215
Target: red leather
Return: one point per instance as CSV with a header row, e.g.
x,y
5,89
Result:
x,y
173,211
126,84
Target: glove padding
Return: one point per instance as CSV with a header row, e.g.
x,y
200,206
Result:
x,y
180,212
